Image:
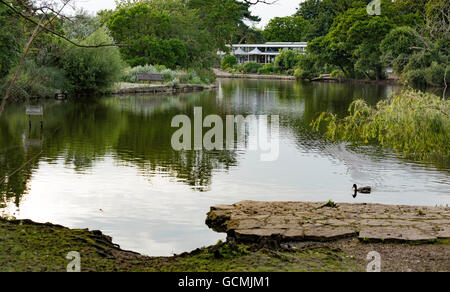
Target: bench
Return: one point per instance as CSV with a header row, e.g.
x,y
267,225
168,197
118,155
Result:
x,y
149,77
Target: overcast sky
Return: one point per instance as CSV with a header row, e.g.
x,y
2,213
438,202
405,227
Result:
x,y
266,12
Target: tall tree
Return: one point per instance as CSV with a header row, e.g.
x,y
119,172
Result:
x,y
288,29
321,13
224,19
147,33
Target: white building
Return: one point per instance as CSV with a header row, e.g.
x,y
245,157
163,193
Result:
x,y
263,53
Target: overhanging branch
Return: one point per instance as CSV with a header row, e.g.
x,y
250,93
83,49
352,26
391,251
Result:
x,y
29,19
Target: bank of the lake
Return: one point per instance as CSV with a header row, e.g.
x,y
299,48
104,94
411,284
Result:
x,y
324,79
136,88
224,74
29,246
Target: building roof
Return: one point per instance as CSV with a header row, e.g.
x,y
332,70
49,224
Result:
x,y
256,51
273,45
239,51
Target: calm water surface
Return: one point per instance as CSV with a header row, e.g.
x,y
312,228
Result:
x,y
108,164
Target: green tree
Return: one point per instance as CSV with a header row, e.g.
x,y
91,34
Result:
x,y
287,59
224,19
158,22
321,13
10,40
228,61
287,29
148,36
420,55
352,44
249,35
397,47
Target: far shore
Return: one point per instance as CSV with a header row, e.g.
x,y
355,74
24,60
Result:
x,y
133,88
224,75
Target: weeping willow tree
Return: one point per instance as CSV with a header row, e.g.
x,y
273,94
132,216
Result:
x,y
414,123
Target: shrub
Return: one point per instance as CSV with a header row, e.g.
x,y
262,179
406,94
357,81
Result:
x,y
337,74
202,76
267,69
130,75
303,74
307,67
228,61
168,74
92,70
251,68
37,82
206,75
414,77
434,75
287,59
238,68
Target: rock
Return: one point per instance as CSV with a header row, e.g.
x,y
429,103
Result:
x,y
403,234
296,221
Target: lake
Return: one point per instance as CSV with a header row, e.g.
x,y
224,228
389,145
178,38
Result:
x,y
108,163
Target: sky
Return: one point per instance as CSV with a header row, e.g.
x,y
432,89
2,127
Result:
x,y
266,12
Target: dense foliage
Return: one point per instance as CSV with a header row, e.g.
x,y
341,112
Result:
x,y
410,36
178,33
287,29
92,70
146,32
228,61
10,40
53,64
190,76
413,123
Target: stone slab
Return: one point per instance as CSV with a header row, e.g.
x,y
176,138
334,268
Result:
x,y
303,221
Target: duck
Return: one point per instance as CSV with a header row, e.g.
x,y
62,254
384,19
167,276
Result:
x,y
363,190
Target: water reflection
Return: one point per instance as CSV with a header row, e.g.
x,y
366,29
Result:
x,y
108,163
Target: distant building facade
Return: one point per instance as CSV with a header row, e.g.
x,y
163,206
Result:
x,y
263,53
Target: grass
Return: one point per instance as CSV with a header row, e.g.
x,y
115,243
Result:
x,y
27,246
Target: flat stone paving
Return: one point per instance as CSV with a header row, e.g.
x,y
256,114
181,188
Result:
x,y
250,221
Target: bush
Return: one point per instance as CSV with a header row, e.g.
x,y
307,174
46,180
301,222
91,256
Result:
x,y
337,74
303,74
202,76
237,69
414,77
92,70
251,68
228,61
37,82
287,59
434,75
307,67
207,75
267,69
130,75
